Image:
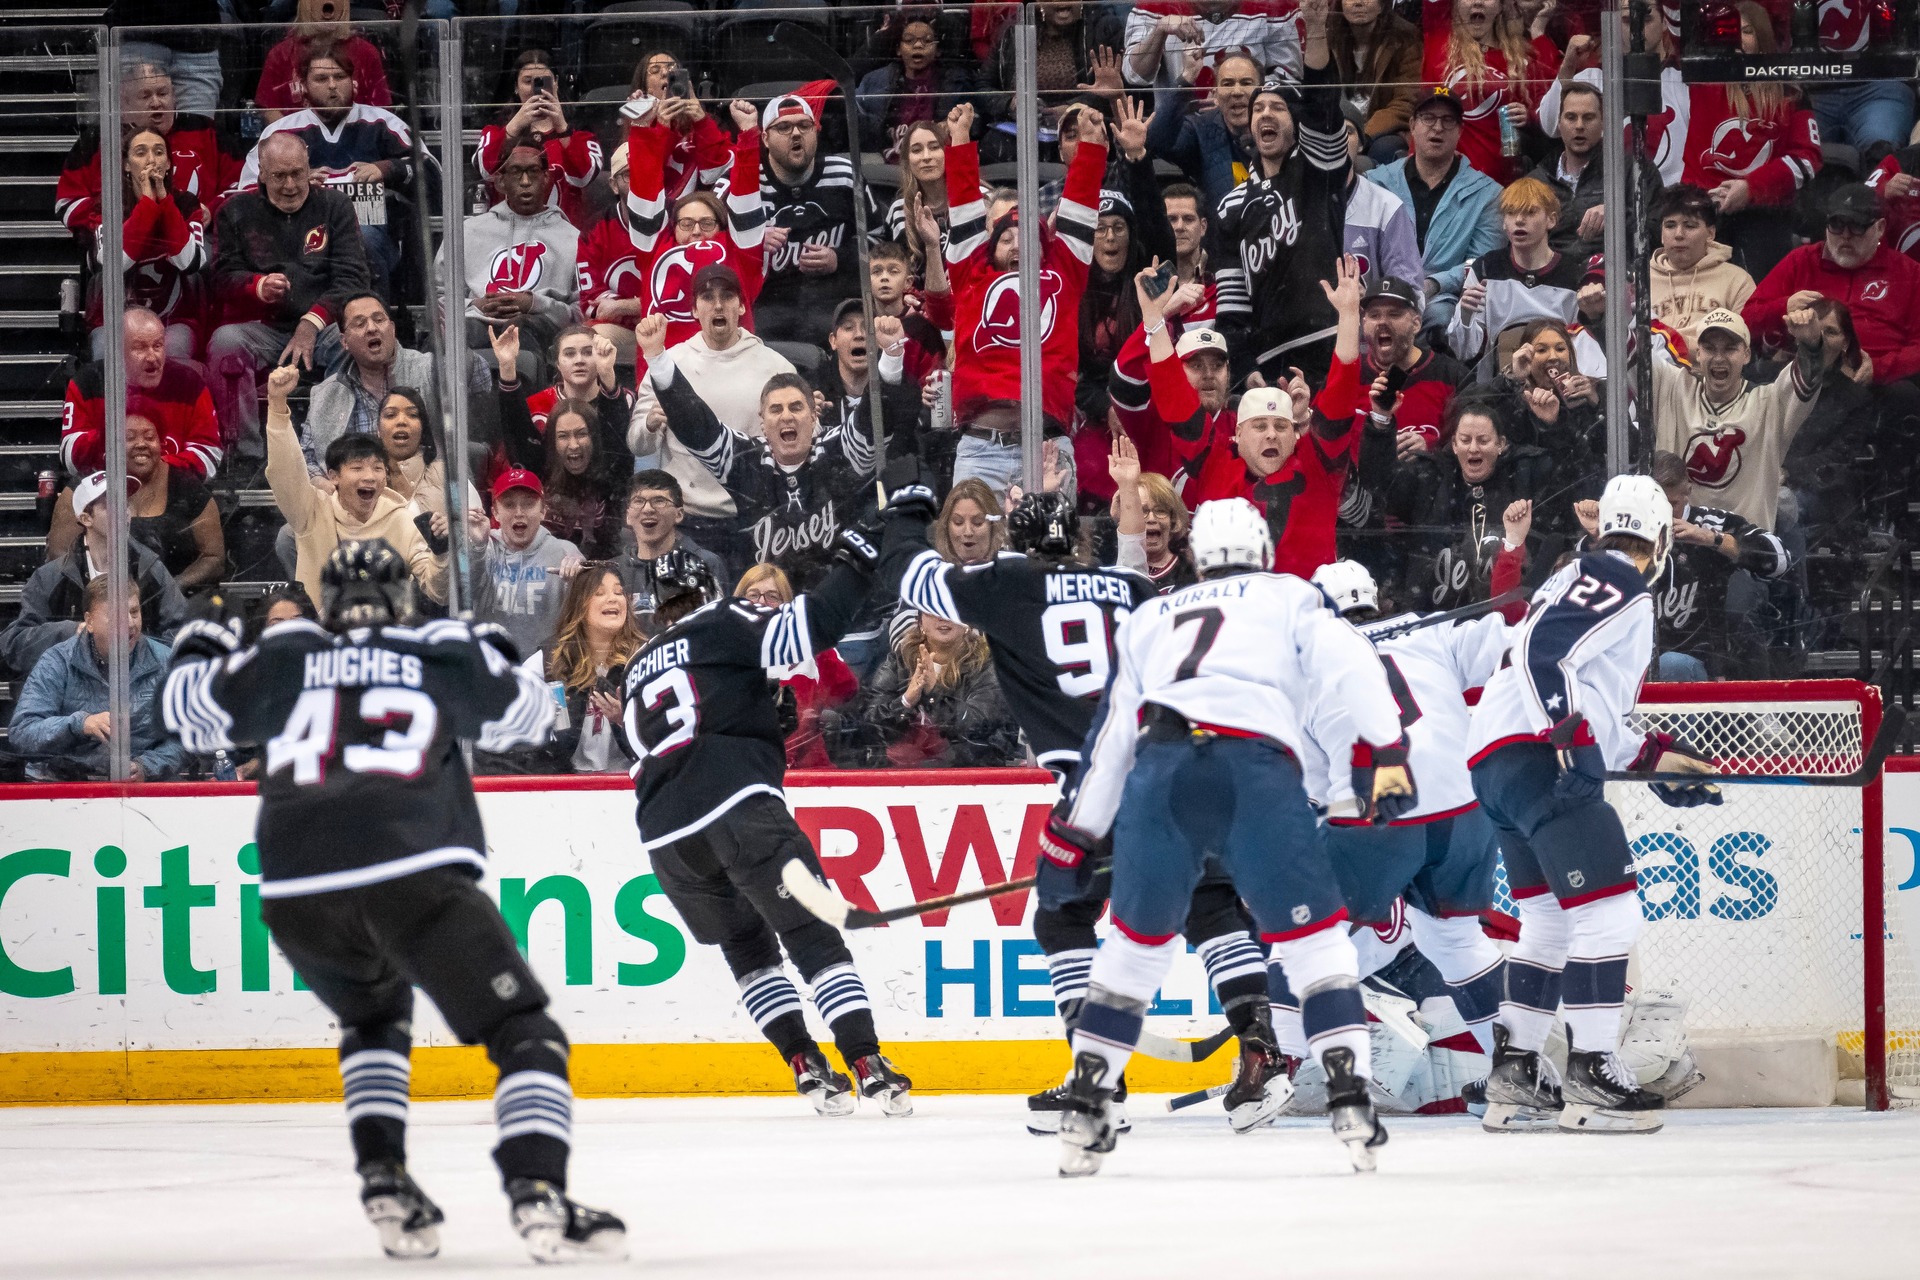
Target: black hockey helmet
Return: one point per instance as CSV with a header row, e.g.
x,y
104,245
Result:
x,y
365,583
682,582
1043,524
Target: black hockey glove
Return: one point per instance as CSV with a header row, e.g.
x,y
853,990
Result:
x,y
1664,753
206,638
1383,781
855,550
1583,769
912,502
424,523
495,637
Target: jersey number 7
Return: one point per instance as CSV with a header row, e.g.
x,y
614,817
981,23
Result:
x,y
1210,620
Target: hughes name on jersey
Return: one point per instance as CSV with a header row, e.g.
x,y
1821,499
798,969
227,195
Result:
x,y
1584,647
363,779
1050,627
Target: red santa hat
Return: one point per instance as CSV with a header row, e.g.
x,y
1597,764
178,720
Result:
x,y
808,100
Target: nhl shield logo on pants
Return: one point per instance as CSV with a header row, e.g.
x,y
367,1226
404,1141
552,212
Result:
x,y
1302,914
506,986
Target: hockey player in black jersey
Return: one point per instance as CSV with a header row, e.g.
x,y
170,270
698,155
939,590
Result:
x,y
1050,623
703,722
364,717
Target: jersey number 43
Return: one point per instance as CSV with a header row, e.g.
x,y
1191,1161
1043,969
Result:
x,y
407,716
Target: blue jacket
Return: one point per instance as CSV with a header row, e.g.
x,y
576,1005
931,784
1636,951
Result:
x,y
1465,225
68,684
1199,142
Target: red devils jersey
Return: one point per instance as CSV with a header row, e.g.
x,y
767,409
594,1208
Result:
x,y
987,300
1776,155
1903,212
1481,97
200,169
654,267
180,408
573,161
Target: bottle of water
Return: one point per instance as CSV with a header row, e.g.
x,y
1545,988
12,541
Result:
x,y
1509,132
251,122
223,770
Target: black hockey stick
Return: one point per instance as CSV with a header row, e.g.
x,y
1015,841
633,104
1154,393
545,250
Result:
x,y
1393,628
1197,1097
807,43
1892,720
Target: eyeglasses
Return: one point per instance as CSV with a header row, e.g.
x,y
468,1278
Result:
x,y
698,224
764,595
660,503
1848,226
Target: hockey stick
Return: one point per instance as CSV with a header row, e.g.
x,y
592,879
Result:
x,y
841,914
1197,1097
1393,628
811,46
1892,720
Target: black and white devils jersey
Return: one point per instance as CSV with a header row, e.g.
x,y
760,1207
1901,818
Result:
x,y
362,778
702,719
1051,629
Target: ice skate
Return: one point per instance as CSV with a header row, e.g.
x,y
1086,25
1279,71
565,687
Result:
x,y
830,1092
1521,1093
1260,1081
408,1222
1045,1108
1603,1097
1086,1126
558,1230
884,1085
1350,1107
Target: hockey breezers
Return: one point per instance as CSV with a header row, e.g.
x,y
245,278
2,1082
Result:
x,y
829,906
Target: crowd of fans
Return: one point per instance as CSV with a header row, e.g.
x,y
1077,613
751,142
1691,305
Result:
x,y
1340,257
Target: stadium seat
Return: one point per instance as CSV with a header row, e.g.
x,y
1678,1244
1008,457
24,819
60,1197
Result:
x,y
620,38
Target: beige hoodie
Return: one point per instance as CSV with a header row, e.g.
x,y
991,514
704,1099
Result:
x,y
319,523
730,382
1681,299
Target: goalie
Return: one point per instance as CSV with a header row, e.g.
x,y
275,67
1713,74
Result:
x,y
1548,727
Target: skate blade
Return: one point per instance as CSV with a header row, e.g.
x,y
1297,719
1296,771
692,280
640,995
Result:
x,y
1362,1135
389,1216
832,1104
1512,1117
893,1103
1043,1124
1581,1117
549,1244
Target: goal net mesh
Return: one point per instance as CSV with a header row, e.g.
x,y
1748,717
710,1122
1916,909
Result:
x,y
1753,906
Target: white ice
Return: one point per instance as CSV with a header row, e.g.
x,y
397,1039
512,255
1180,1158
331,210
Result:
x,y
760,1187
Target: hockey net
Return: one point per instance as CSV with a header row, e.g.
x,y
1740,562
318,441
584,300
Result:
x,y
1762,910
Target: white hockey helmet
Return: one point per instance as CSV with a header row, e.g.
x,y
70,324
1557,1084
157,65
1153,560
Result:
x,y
1348,584
1230,533
1638,507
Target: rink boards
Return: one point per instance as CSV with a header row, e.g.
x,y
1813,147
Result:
x,y
133,964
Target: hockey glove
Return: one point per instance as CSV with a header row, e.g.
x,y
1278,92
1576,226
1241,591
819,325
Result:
x,y
1583,769
855,550
913,502
1383,781
1069,860
206,638
495,637
1664,753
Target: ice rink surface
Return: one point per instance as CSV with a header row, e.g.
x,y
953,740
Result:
x,y
761,1187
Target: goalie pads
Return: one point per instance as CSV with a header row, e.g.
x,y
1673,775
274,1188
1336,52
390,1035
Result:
x,y
1653,1042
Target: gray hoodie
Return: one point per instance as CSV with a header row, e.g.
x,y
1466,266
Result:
x,y
506,253
522,590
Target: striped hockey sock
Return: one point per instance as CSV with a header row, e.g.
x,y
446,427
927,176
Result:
x,y
773,1003
841,998
376,1083
1070,971
1237,971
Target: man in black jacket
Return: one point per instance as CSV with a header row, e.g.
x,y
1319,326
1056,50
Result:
x,y
289,258
798,486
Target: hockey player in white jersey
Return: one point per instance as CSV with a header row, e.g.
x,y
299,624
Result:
x,y
1194,760
1440,855
1549,726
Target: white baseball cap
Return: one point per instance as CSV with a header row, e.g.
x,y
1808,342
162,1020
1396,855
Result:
x,y
93,488
1194,341
1265,402
787,104
1725,319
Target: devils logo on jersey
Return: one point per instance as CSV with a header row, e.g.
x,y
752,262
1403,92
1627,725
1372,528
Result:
x,y
1843,25
517,269
1000,310
672,277
1735,150
1475,104
1713,457
316,241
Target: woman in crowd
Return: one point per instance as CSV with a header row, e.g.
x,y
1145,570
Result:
x,y
583,364
1484,59
586,489
163,247
413,466
702,150
923,184
1753,170
971,528
170,511
935,703
1163,538
820,684
535,116
1550,403
1210,146
1452,504
916,85
1377,53
594,638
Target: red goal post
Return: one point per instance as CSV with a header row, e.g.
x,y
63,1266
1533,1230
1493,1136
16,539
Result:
x,y
1772,956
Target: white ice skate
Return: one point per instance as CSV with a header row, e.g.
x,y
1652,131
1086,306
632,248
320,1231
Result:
x,y
408,1222
556,1229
